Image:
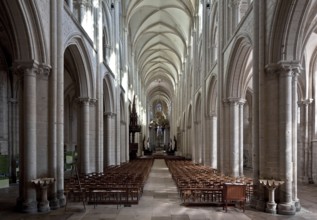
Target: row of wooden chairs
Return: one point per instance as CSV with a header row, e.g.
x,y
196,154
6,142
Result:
x,y
116,185
199,184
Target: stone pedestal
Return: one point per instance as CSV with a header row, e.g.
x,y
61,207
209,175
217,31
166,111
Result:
x,y
41,185
271,185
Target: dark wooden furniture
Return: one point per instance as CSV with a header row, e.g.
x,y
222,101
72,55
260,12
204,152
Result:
x,y
234,192
133,128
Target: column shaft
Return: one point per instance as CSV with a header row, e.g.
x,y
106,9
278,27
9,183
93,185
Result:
x,y
285,140
60,105
286,131
241,139
13,137
84,145
294,140
303,153
257,65
52,111
29,140
234,139
235,14
109,139
214,161
70,5
225,150
81,14
208,141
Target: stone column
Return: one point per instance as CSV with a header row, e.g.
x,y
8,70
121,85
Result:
x,y
180,146
84,139
52,111
188,143
29,71
235,136
60,104
81,12
213,142
224,159
109,141
259,95
285,138
241,103
4,114
304,147
235,11
197,143
208,140
13,137
70,5
294,140
314,162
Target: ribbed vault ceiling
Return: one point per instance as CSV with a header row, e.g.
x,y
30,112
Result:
x,y
160,32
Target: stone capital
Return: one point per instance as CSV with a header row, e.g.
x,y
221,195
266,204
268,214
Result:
x,y
109,114
82,2
212,114
197,122
24,68
284,68
234,3
82,100
86,100
92,101
12,100
236,100
210,117
44,71
31,68
305,102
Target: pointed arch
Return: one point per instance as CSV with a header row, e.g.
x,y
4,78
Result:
x,y
20,20
287,34
189,117
211,97
122,109
108,93
237,78
198,108
107,30
83,66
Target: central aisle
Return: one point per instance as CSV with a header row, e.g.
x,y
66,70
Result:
x,y
160,183
161,201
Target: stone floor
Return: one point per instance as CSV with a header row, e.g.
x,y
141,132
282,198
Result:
x,y
160,201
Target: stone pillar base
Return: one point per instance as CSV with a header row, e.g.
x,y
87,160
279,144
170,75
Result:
x,y
297,206
44,206
270,208
260,206
19,204
29,207
253,203
54,204
61,198
286,209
